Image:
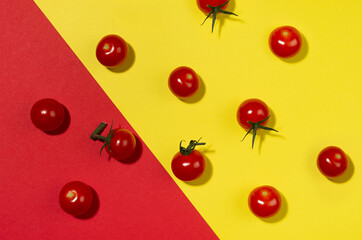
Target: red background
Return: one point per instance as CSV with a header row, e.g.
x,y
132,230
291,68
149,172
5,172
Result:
x,y
138,200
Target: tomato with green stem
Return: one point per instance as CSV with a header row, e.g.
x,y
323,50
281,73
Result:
x,y
75,198
265,201
188,164
213,7
332,162
253,114
119,143
47,114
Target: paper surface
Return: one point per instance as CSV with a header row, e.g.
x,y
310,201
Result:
x,y
137,200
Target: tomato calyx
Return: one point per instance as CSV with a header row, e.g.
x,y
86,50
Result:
x,y
193,143
254,127
214,10
96,135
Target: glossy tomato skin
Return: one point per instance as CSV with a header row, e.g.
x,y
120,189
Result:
x,y
253,110
183,82
332,162
47,114
122,144
202,4
112,51
75,198
285,41
265,201
189,167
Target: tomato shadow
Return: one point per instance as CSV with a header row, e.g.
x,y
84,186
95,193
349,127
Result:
x,y
262,133
347,175
136,154
205,177
198,95
64,126
302,53
280,215
93,208
222,17
128,63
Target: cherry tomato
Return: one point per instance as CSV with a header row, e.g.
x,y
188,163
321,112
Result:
x,y
75,198
213,7
285,41
183,82
112,50
253,114
202,4
332,162
47,114
122,144
188,164
119,143
265,201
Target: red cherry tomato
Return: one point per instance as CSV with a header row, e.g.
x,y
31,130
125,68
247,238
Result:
x,y
202,4
183,82
119,143
188,164
213,7
112,51
332,162
265,201
122,144
253,114
75,198
285,41
47,114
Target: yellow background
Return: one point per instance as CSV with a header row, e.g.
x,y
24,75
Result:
x,y
315,100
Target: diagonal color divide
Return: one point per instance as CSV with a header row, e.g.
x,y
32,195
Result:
x,y
136,201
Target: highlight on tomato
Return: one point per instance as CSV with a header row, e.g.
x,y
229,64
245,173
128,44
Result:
x,y
112,51
183,82
265,201
253,114
47,114
213,7
119,143
332,162
285,41
75,198
188,164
